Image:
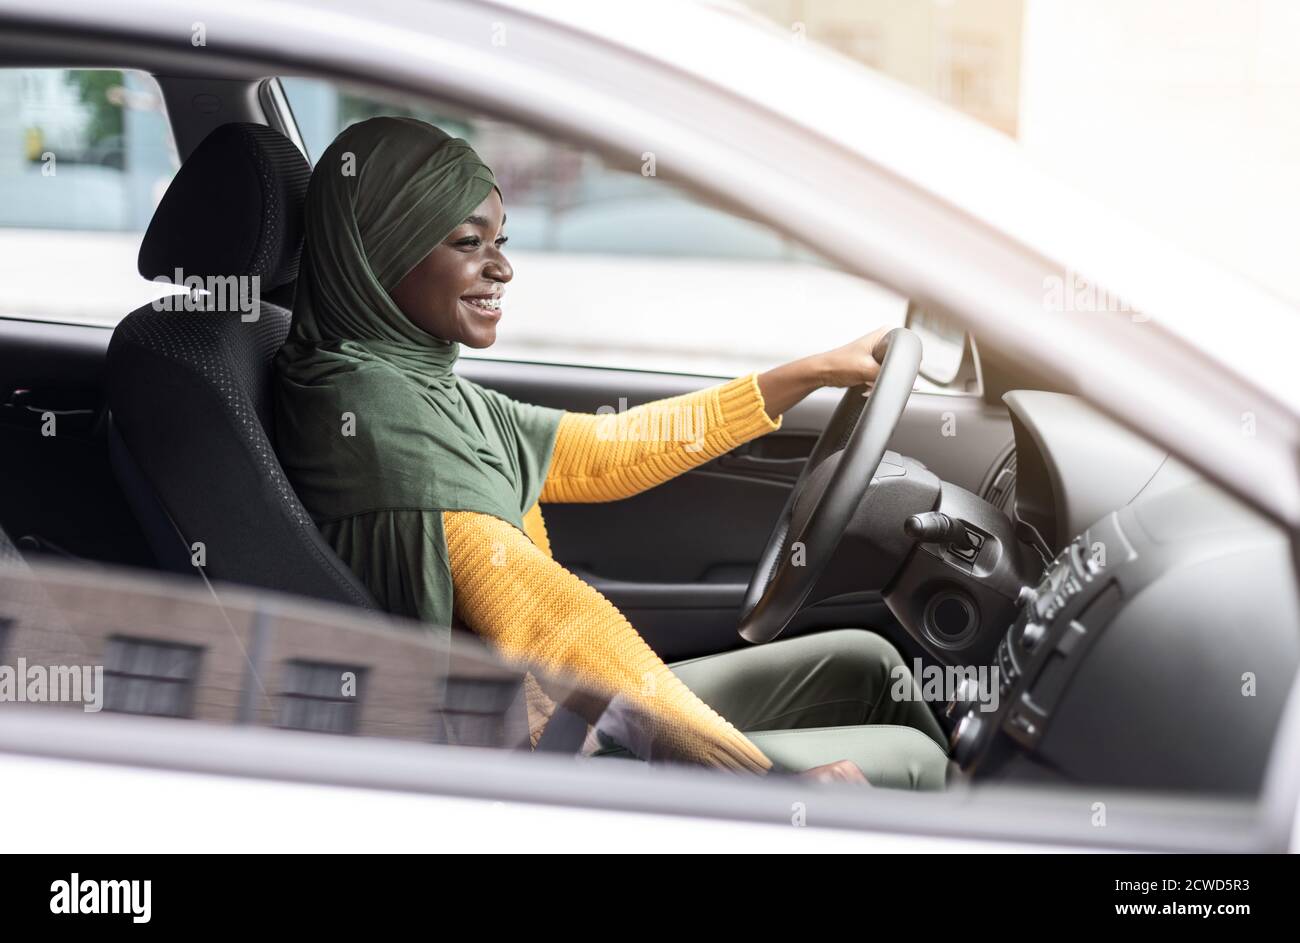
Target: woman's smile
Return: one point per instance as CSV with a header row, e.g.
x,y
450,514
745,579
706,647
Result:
x,y
487,306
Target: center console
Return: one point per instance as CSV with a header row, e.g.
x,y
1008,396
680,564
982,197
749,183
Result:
x,y
1058,620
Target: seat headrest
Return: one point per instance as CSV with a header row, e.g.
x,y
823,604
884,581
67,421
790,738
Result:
x,y
234,208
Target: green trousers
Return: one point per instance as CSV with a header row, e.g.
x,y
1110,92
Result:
x,y
824,697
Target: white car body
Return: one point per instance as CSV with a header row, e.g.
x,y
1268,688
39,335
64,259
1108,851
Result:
x,y
860,169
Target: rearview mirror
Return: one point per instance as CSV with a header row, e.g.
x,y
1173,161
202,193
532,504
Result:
x,y
948,357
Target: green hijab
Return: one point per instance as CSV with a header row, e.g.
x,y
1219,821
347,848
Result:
x,y
370,418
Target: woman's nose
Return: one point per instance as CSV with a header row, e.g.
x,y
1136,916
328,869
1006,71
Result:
x,y
498,268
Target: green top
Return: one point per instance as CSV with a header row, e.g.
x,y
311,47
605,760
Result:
x,y
376,433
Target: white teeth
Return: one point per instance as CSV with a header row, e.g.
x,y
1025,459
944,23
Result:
x,y
489,304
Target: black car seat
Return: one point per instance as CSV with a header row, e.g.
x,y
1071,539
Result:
x,y
190,391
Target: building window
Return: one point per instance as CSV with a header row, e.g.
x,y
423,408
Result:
x,y
143,676
968,68
320,697
860,41
487,711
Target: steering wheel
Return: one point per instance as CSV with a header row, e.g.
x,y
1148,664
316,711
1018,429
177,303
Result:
x,y
860,427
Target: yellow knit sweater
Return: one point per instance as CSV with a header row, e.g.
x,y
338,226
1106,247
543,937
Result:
x,y
510,591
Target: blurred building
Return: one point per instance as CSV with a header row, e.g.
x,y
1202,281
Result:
x,y
170,648
1181,114
963,52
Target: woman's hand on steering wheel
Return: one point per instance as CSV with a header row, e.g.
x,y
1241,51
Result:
x,y
784,387
853,363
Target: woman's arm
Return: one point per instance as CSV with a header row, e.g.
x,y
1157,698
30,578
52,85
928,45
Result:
x,y
788,384
607,456
533,610
604,457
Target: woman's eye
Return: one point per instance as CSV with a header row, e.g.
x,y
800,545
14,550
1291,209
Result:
x,y
473,242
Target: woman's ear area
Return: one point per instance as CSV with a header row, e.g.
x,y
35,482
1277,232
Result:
x,y
412,294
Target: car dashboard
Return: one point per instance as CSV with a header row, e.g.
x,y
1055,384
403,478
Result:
x,y
1159,645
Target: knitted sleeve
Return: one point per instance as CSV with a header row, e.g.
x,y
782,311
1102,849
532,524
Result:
x,y
533,610
604,457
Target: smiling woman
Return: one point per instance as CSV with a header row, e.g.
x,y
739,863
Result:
x,y
428,484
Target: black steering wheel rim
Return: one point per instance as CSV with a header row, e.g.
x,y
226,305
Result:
x,y
860,429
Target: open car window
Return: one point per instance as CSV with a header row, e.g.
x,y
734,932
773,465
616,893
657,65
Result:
x,y
85,156
671,281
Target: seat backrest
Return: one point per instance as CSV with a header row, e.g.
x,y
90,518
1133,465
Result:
x,y
190,391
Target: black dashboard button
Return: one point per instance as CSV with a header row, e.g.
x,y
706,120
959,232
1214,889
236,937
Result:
x,y
1073,635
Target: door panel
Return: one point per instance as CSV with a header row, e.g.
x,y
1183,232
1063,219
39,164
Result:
x,y
59,490
778,456
677,559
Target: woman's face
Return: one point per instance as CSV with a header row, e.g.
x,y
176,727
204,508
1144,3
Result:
x,y
455,292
